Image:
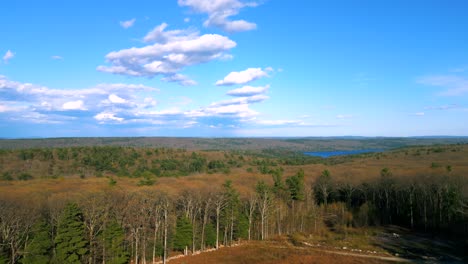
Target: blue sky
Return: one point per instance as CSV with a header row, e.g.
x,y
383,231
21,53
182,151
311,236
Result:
x,y
228,68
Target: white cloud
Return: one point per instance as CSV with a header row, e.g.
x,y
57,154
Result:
x,y
187,19
115,99
149,102
29,99
190,124
237,110
173,51
243,77
8,56
131,104
219,13
242,100
181,79
419,114
56,57
107,116
248,91
128,23
10,107
158,35
453,85
74,105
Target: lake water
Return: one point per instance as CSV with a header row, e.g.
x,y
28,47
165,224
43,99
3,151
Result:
x,y
326,154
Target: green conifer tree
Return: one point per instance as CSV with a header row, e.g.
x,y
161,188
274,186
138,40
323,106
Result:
x,y
70,242
183,235
113,237
39,249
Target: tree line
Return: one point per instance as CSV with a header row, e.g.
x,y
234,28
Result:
x,y
118,226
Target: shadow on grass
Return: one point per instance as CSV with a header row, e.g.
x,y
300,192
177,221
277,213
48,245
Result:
x,y
420,247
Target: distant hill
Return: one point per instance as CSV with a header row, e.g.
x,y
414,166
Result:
x,y
290,144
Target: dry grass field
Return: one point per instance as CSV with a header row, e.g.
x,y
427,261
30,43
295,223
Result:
x,y
274,252
416,161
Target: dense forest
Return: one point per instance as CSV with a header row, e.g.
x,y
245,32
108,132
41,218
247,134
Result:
x,y
145,223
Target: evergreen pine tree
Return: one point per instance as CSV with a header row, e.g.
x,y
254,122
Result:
x,y
39,249
210,235
114,237
70,242
183,235
296,186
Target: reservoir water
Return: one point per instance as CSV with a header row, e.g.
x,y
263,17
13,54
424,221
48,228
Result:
x,y
326,154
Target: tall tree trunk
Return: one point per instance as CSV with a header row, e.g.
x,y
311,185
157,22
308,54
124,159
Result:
x,y
156,225
218,209
165,236
136,246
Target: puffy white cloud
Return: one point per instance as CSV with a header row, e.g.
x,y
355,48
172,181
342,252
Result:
x,y
29,99
10,107
8,56
74,105
243,77
158,35
248,91
115,99
128,23
148,102
130,104
219,13
173,51
454,85
107,116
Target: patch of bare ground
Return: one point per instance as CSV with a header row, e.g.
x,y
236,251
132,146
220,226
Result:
x,y
276,253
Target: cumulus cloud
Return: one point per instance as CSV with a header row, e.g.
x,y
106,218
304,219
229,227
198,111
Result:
x,y
107,116
243,77
8,56
129,104
453,85
159,35
31,100
128,23
173,51
56,57
219,13
248,91
115,99
181,79
74,105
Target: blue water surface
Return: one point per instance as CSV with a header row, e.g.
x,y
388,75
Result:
x,y
326,154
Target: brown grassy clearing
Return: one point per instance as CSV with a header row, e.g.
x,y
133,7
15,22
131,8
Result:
x,y
271,253
413,162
